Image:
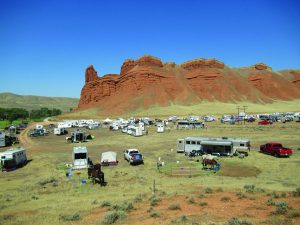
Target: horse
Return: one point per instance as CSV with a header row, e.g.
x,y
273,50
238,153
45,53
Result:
x,y
95,173
210,162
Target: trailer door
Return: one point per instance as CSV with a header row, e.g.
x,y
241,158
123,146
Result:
x,y
180,145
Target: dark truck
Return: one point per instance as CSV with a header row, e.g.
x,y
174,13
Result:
x,y
133,156
275,149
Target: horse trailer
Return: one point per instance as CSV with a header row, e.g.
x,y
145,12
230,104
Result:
x,y
12,159
78,136
80,158
215,146
5,140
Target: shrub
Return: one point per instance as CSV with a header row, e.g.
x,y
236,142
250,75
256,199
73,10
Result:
x,y
270,201
191,200
208,190
237,221
47,181
203,204
293,214
275,195
225,199
174,206
281,208
125,206
249,188
72,217
154,213
112,216
219,189
283,195
240,195
296,193
139,198
105,204
154,200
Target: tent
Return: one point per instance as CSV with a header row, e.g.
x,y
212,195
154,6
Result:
x,y
109,158
107,120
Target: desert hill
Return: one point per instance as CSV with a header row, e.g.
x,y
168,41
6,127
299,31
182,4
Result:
x,y
29,102
148,81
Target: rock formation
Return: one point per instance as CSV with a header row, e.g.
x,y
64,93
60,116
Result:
x,y
147,81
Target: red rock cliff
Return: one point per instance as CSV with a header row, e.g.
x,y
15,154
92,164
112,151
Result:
x,y
147,81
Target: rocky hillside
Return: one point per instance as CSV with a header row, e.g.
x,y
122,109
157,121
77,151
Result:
x,y
148,81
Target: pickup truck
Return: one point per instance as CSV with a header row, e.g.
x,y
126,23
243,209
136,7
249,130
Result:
x,y
275,149
133,156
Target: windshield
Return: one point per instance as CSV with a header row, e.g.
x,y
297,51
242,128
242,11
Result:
x,y
277,146
134,152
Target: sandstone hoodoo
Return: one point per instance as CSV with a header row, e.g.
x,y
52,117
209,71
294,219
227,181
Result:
x,y
147,81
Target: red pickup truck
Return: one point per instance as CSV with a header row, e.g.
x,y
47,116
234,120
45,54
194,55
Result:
x,y
276,149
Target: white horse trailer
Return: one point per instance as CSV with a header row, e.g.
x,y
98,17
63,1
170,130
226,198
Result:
x,y
80,158
215,146
13,158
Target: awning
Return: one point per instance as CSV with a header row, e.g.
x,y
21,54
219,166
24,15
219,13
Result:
x,y
219,143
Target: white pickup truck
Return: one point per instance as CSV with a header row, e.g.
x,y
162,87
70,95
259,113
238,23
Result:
x,y
133,156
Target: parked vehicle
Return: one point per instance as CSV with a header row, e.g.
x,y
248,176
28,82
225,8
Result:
x,y
276,149
60,131
80,158
265,122
109,158
12,159
133,156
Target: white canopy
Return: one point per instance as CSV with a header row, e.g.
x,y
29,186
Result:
x,y
107,120
109,157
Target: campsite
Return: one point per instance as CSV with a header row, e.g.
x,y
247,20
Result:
x,y
43,187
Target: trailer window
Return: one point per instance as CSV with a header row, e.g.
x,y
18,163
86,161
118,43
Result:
x,y
188,142
198,142
193,142
242,144
180,142
80,156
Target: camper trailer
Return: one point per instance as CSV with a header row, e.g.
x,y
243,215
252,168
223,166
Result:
x,y
80,158
160,128
60,131
215,146
134,131
12,159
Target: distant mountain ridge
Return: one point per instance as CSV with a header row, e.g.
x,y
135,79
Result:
x,y
147,82
29,102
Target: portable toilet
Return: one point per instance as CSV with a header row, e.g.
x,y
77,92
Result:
x,y
80,158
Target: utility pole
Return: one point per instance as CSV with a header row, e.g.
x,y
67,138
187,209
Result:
x,y
238,108
245,107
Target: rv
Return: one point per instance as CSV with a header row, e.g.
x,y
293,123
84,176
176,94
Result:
x,y
215,146
12,159
80,158
160,128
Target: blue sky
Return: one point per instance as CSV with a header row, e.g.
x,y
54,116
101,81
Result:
x,y
45,46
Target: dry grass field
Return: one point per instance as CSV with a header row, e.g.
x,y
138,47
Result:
x,y
258,189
